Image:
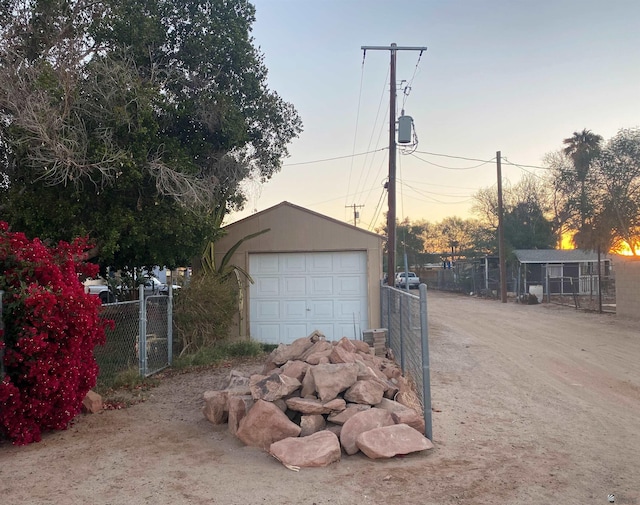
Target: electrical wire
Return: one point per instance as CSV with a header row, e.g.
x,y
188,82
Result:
x,y
456,157
335,158
451,168
384,87
377,210
355,134
438,185
427,194
506,161
410,83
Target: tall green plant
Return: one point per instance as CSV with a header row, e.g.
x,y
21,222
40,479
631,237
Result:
x,y
225,269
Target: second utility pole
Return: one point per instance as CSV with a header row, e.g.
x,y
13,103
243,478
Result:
x,y
501,244
391,185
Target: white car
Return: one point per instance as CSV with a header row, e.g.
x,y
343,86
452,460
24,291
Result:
x,y
409,278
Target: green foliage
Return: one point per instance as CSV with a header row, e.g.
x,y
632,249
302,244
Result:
x,y
204,311
617,169
225,269
221,351
135,122
525,227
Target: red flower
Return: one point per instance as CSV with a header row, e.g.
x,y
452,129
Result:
x,y
51,329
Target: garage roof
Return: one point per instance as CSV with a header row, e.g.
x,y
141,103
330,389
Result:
x,y
285,205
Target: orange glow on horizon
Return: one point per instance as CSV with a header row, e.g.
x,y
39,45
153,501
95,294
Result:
x,y
624,250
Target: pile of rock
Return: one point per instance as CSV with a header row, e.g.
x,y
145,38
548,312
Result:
x,y
316,399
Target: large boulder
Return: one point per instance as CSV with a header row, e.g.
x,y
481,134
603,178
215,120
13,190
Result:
x,y
216,407
238,383
296,369
238,408
389,441
344,351
403,415
361,422
321,346
351,410
274,387
311,406
264,424
320,449
368,392
332,379
294,350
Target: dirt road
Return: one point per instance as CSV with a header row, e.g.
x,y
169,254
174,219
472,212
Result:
x,y
532,405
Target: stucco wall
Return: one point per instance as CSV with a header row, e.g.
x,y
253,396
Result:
x,y
294,229
627,287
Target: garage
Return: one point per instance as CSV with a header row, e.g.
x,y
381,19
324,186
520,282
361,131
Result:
x,y
309,271
294,294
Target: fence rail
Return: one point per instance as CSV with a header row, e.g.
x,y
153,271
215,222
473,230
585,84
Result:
x,y
404,315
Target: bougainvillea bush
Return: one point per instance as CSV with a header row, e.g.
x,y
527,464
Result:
x,y
50,330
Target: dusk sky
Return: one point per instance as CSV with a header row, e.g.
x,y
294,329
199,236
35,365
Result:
x,y
516,76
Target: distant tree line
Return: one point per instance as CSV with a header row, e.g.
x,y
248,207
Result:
x,y
590,194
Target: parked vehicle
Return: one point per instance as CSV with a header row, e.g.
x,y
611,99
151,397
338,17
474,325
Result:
x,y
404,279
100,288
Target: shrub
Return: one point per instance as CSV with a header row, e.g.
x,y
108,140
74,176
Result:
x,y
203,311
222,350
51,329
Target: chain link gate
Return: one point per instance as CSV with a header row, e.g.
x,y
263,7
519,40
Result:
x,y
141,339
155,338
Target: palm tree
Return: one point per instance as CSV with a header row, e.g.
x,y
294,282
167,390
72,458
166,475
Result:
x,y
582,148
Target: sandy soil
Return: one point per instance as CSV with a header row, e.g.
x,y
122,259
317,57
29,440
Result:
x,y
533,404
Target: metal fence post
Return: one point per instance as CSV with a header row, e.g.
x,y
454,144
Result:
x,y
401,318
170,326
1,339
426,373
142,334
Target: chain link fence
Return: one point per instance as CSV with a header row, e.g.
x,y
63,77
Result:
x,y
404,315
141,340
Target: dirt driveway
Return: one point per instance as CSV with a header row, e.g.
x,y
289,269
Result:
x,y
532,405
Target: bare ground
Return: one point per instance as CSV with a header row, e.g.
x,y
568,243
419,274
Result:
x,y
533,404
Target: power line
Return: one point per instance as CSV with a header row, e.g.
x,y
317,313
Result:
x,y
438,185
355,134
334,159
450,168
427,195
375,122
378,209
456,157
407,89
521,166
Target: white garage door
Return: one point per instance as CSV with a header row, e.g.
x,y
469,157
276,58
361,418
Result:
x,y
297,293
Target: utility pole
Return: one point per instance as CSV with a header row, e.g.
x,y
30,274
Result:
x,y
501,251
391,185
355,212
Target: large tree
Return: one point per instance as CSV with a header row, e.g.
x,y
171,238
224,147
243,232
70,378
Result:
x,y
134,122
617,169
528,215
